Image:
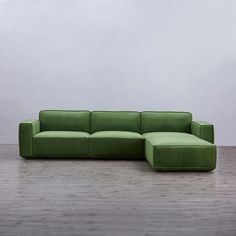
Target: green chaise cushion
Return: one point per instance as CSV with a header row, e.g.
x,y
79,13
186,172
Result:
x,y
116,144
152,121
61,144
64,120
115,121
172,151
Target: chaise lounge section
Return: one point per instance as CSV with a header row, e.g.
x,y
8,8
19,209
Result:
x,y
173,142
169,141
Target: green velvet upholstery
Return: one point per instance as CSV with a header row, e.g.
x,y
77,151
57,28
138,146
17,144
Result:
x,y
61,144
165,121
115,121
116,144
203,130
27,129
170,141
172,151
54,120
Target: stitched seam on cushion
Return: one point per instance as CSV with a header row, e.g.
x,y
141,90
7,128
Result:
x,y
116,111
117,138
190,128
140,128
60,137
90,123
141,123
60,155
185,112
104,131
180,145
66,110
92,130
182,167
115,155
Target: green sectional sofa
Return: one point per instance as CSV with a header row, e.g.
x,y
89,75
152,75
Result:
x,y
170,141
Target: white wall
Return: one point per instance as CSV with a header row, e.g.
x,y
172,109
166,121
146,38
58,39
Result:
x,y
118,54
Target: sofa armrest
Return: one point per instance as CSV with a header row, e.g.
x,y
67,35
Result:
x,y
203,130
27,129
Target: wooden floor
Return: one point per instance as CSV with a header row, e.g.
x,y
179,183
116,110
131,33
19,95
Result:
x,y
74,197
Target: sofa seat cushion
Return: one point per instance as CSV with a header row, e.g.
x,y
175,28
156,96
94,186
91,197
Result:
x,y
116,144
117,134
172,151
61,144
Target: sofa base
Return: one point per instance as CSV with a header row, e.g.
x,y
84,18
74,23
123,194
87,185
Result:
x,y
182,159
183,169
86,158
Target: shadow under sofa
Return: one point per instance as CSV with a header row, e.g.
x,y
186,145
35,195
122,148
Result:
x,y
169,141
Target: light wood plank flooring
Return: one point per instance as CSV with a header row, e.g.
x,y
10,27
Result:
x,y
114,198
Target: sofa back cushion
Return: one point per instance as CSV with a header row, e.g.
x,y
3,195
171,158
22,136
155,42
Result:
x,y
115,121
64,120
165,121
